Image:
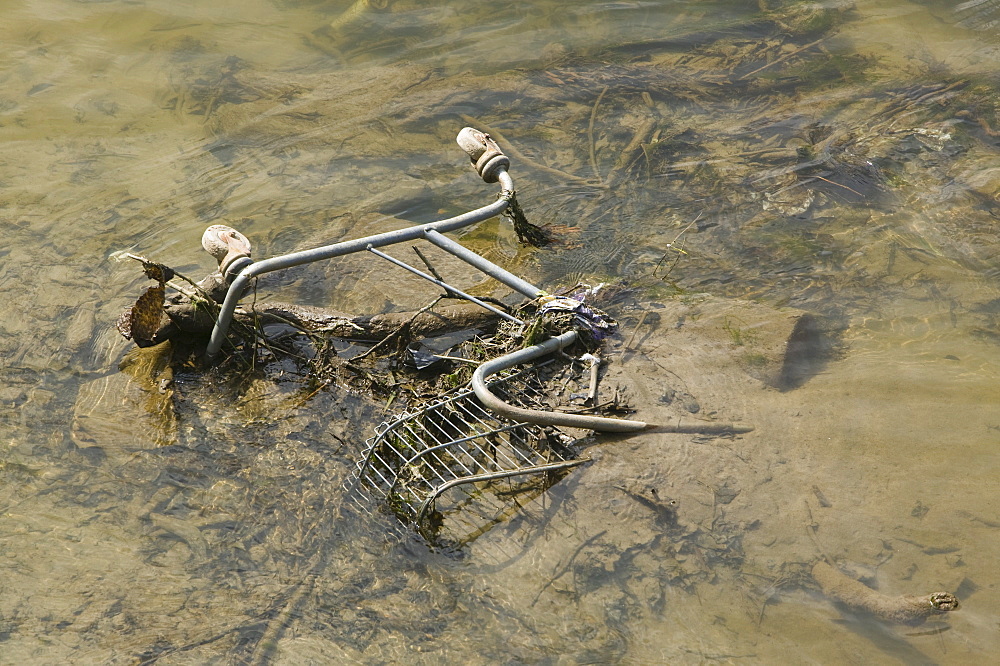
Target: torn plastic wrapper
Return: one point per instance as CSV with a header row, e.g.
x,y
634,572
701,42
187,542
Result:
x,y
596,323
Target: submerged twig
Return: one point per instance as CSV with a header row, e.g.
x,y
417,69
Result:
x,y
590,136
641,136
670,246
635,331
427,263
396,333
174,273
783,58
827,180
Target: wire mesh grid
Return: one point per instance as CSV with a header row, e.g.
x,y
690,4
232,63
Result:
x,y
455,443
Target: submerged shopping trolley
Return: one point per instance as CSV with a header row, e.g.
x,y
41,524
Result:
x,y
499,428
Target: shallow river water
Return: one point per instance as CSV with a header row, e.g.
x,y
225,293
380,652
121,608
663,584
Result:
x,y
837,158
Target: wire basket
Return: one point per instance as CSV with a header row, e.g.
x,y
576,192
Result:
x,y
453,457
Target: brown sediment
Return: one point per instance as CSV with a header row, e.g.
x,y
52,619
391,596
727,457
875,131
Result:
x,y
905,609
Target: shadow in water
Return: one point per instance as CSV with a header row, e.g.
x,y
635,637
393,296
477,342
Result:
x,y
811,346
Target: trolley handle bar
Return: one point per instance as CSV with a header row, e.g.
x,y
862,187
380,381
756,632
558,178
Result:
x,y
489,162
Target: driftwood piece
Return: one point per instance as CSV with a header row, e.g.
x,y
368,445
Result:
x,y
442,319
905,609
189,319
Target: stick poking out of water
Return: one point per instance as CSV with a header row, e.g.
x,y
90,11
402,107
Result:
x,y
904,609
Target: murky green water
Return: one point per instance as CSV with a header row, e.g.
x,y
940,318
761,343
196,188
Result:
x,y
837,157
